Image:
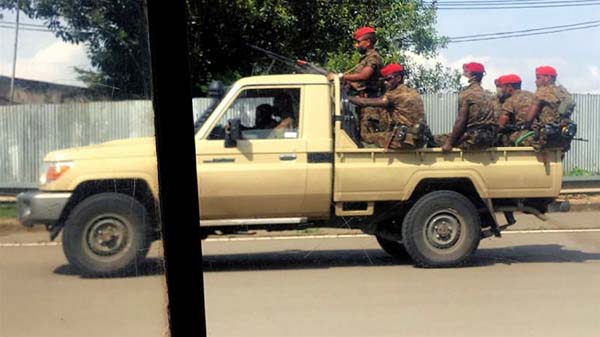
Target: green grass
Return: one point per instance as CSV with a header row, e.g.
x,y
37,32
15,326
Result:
x,y
578,172
310,230
8,210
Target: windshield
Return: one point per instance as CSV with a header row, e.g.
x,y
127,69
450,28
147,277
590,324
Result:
x,y
204,106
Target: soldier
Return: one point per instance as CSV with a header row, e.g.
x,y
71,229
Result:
x,y
513,112
405,108
363,78
475,125
498,99
550,113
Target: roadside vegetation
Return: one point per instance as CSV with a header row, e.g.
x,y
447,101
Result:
x,y
579,172
8,210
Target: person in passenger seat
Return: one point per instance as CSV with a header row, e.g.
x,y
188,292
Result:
x,y
264,117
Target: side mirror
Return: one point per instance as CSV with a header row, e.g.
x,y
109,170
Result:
x,y
233,132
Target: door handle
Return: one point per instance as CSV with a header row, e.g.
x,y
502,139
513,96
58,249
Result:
x,y
287,157
219,160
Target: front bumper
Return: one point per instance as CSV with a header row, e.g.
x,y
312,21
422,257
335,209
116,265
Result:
x,y
41,207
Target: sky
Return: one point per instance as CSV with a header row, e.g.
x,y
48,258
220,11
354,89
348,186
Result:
x,y
40,55
575,54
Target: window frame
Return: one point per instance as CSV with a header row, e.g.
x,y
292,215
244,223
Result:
x,y
220,112
178,193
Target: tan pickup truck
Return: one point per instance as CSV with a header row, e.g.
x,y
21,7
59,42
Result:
x,y
281,152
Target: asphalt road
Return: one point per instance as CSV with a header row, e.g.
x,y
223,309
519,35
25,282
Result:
x,y
527,284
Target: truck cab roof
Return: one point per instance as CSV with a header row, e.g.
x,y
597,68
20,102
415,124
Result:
x,y
283,79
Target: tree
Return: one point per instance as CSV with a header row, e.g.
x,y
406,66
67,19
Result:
x,y
319,31
114,32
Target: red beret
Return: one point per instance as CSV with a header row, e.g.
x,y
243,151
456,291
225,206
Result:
x,y
391,69
509,79
545,70
474,67
362,31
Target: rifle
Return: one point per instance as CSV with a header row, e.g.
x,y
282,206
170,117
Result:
x,y
399,131
509,128
301,66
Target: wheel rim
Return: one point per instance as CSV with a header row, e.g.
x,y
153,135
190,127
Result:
x,y
443,229
107,236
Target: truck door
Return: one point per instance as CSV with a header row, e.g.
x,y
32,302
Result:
x,y
265,174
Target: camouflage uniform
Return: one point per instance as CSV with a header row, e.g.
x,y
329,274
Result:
x,y
369,87
497,113
404,108
481,124
372,120
516,108
498,106
373,123
550,98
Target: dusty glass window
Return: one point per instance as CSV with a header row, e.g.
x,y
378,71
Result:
x,y
263,113
79,231
327,233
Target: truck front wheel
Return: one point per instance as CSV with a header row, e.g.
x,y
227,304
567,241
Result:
x,y
106,234
441,229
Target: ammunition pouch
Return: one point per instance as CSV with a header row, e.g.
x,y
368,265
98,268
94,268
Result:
x,y
401,133
566,108
374,125
556,134
509,128
482,136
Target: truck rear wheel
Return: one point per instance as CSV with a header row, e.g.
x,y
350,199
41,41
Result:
x,y
441,229
394,248
107,234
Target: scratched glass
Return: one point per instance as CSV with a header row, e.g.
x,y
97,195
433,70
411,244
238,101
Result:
x,y
80,250
325,233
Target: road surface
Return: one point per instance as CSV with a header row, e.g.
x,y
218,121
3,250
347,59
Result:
x,y
524,284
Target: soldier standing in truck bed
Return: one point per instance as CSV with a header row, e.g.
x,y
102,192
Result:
x,y
363,81
364,77
405,108
475,125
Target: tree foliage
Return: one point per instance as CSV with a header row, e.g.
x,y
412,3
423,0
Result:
x,y
319,31
114,32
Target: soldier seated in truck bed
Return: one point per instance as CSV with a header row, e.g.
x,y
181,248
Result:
x,y
402,106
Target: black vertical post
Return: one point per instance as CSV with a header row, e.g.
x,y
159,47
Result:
x,y
175,147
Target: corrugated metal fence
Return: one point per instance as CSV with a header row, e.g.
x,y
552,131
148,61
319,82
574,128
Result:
x,y
441,111
28,132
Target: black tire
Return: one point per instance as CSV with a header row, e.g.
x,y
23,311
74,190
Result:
x,y
442,229
91,251
394,248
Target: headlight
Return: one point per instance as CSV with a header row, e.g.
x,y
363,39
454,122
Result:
x,y
51,171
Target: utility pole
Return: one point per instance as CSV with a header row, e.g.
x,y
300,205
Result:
x,y
14,66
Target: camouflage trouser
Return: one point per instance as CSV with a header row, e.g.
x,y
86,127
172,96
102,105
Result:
x,y
539,140
475,139
374,123
409,142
